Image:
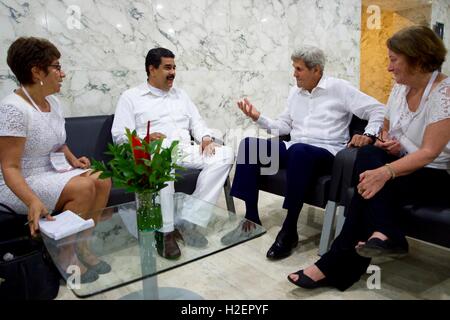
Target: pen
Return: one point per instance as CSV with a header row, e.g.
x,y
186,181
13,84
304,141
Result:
x,y
50,213
379,139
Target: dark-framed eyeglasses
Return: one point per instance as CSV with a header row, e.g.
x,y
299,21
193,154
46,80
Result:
x,y
56,66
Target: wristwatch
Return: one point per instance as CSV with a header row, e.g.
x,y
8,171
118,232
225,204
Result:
x,y
371,136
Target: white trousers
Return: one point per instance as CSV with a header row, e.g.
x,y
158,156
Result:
x,y
211,179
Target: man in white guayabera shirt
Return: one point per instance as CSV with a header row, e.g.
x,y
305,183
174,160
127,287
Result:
x,y
317,116
174,116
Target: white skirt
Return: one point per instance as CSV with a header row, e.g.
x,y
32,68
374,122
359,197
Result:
x,y
47,185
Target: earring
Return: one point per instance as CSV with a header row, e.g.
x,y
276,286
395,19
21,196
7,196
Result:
x,y
42,83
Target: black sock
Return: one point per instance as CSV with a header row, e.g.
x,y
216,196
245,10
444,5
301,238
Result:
x,y
251,212
290,223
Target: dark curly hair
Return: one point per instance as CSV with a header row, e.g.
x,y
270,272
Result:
x,y
421,47
28,52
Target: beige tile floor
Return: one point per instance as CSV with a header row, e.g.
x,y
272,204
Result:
x,y
243,272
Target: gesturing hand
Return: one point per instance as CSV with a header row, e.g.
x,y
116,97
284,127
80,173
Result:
x,y
248,109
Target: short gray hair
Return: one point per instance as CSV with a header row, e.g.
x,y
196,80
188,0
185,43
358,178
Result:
x,y
311,56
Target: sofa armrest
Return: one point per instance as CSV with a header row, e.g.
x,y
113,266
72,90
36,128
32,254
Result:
x,y
286,138
342,174
89,136
12,225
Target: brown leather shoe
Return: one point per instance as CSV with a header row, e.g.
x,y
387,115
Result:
x,y
166,245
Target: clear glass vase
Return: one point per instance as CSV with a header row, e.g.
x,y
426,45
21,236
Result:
x,y
148,211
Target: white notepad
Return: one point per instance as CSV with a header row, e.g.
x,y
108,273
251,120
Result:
x,y
64,225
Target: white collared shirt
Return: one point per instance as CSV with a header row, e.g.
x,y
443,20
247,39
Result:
x,y
321,118
169,112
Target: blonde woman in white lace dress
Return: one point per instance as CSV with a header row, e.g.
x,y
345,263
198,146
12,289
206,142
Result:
x,y
31,129
410,166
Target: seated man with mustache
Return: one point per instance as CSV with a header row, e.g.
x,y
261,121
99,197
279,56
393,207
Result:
x,y
173,116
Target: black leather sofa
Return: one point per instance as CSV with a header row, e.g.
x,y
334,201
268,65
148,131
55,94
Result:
x,y
89,136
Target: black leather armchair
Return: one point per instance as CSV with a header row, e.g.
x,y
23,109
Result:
x,y
320,193
325,193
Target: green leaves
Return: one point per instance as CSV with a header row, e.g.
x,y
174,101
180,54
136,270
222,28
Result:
x,y
139,165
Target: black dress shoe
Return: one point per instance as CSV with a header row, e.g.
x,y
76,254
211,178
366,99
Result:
x,y
376,247
283,245
166,245
306,282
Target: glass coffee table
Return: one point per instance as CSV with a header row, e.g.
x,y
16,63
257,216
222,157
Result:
x,y
132,255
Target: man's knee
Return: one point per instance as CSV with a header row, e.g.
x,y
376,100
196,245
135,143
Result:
x,y
299,149
247,144
227,155
245,149
254,150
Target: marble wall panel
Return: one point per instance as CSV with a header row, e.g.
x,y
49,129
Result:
x,y
17,18
102,35
334,26
259,35
225,49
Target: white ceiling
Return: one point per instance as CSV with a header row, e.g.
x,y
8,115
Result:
x,y
397,5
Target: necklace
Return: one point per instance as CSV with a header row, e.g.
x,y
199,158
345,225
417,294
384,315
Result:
x,y
60,134
400,126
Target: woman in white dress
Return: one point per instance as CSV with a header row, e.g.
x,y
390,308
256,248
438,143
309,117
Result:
x,y
35,161
410,165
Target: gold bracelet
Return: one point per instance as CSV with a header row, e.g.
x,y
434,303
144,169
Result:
x,y
391,171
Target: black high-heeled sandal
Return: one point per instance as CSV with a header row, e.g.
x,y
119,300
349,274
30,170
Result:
x,y
306,282
87,277
376,247
101,268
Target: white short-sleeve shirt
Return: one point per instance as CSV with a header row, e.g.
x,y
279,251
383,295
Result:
x,y
409,127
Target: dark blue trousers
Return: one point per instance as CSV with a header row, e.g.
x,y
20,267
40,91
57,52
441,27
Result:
x,y
303,163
